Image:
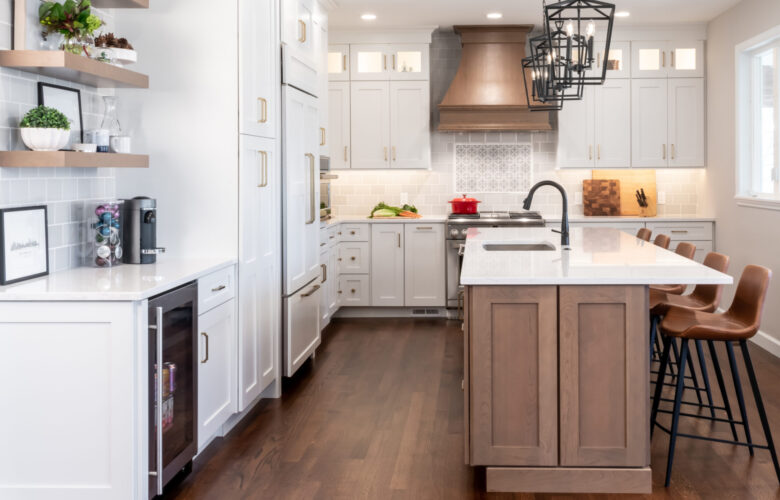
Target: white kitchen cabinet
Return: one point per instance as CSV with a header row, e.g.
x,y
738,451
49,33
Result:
x,y
354,232
576,132
302,326
369,62
353,290
397,61
387,264
259,273
410,135
686,122
612,112
259,67
301,180
217,370
649,112
618,62
657,59
370,124
333,289
353,257
325,283
321,52
338,63
339,125
297,29
424,265
409,62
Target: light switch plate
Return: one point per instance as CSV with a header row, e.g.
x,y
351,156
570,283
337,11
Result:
x,y
661,197
578,198
404,198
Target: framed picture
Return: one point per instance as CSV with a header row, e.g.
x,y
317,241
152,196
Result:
x,y
24,244
68,101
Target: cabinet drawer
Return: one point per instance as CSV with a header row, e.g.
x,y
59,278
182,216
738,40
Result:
x,y
216,288
323,237
682,231
333,235
354,232
353,258
353,290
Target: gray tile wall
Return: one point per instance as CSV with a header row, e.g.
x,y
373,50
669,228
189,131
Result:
x,y
356,192
63,190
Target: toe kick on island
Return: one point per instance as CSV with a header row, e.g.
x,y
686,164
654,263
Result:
x,y
557,387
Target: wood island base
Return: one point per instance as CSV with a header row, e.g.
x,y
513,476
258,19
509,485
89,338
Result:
x,y
569,480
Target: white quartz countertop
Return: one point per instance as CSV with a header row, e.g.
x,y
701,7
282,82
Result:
x,y
598,256
127,282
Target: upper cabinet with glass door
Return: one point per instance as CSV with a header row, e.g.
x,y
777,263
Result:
x,y
389,62
338,63
667,59
618,62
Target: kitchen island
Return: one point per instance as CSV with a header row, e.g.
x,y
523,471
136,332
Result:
x,y
556,357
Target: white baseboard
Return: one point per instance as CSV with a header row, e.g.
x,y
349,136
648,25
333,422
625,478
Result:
x,y
767,342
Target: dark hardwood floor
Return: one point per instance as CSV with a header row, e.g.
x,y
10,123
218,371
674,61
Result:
x,y
379,414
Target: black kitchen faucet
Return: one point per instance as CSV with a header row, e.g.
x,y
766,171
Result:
x,y
564,217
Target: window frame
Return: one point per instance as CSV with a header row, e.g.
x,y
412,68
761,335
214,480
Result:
x,y
746,125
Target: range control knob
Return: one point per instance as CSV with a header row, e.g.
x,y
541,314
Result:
x,y
453,232
464,231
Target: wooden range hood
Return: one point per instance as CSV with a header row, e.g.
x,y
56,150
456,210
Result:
x,y
488,92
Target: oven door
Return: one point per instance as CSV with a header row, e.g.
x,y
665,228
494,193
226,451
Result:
x,y
454,262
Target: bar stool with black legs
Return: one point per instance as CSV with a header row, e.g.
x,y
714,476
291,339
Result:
x,y
662,241
705,298
737,325
644,234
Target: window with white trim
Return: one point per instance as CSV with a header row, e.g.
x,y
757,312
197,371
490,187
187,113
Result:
x,y
758,123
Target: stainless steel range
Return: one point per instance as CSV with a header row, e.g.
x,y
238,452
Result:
x,y
456,228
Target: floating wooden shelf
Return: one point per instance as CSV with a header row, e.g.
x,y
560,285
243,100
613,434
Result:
x,y
63,159
121,4
73,68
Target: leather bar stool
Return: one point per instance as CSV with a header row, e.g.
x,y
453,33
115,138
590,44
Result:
x,y
644,234
662,241
684,249
705,298
737,325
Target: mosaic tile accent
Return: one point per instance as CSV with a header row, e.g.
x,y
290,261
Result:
x,y
493,168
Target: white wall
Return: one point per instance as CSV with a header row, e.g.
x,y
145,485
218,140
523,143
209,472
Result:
x,y
192,141
748,235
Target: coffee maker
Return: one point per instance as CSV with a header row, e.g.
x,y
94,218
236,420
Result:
x,y
139,220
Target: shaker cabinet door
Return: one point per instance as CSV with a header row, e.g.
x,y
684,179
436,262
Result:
x,y
613,124
649,122
258,50
338,125
575,132
410,135
686,122
387,264
513,372
370,124
424,265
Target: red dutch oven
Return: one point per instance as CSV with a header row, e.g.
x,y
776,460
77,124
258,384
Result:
x,y
464,205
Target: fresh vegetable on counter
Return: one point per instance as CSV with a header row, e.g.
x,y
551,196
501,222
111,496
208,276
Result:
x,y
384,210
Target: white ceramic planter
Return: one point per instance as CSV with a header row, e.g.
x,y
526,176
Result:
x,y
123,57
45,139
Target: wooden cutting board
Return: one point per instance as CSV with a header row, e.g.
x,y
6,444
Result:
x,y
601,196
630,182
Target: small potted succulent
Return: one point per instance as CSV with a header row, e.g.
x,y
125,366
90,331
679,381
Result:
x,y
118,51
74,20
45,129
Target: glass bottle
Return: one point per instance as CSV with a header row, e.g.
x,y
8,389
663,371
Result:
x,y
110,120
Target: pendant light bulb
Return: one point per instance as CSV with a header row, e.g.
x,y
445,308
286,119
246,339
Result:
x,y
591,30
570,29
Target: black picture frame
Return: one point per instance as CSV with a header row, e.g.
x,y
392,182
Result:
x,y
42,86
4,237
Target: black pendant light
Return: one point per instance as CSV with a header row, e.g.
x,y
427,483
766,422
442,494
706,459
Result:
x,y
546,93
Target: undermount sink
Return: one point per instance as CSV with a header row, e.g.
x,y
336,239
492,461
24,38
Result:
x,y
518,247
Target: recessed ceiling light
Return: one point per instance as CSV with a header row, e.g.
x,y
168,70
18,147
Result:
x,y
495,15
622,13
368,17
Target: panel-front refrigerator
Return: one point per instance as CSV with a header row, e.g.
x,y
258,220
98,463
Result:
x,y
301,223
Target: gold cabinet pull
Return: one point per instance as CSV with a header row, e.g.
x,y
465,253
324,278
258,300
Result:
x,y
673,152
672,54
424,228
345,154
218,288
353,290
351,232
384,57
399,240
352,258
393,153
598,152
310,292
263,110
302,37
322,136
664,152
206,336
344,62
263,168
324,272
311,188
393,62
663,59
385,148
590,151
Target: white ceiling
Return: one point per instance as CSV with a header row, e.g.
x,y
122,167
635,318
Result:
x,y
404,13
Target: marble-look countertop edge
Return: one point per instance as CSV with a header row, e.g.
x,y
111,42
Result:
x,y
356,219
55,286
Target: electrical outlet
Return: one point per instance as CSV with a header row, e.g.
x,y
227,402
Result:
x,y
661,197
404,198
578,198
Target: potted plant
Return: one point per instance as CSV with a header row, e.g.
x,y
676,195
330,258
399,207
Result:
x,y
72,19
114,50
45,129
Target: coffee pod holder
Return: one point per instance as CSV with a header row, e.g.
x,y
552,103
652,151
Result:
x,y
104,245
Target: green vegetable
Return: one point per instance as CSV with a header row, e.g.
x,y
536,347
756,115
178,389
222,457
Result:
x,y
384,212
409,208
43,117
387,209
